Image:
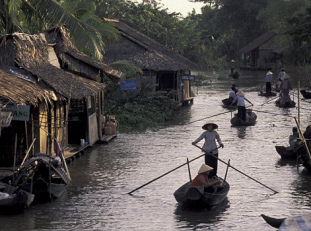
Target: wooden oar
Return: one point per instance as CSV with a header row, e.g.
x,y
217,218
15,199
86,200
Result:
x,y
168,172
235,168
209,117
270,100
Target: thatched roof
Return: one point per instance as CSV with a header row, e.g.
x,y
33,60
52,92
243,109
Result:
x,y
144,52
19,91
66,83
30,52
258,41
70,55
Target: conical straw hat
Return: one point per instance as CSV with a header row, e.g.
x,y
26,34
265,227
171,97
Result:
x,y
205,168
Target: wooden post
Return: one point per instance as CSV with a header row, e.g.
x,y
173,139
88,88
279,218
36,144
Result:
x,y
298,102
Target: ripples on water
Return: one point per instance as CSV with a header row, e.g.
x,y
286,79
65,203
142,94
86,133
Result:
x,y
97,198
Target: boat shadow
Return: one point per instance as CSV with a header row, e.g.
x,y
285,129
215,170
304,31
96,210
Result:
x,y
195,216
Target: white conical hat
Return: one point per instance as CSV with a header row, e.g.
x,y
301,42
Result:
x,y
205,168
240,93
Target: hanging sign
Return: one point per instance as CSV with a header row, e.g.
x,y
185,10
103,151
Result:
x,y
128,84
20,112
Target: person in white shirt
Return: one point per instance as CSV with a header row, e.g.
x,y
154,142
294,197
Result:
x,y
240,97
210,136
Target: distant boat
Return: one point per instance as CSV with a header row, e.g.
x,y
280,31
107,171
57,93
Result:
x,y
267,94
305,94
227,102
286,152
237,121
292,223
286,104
13,199
44,176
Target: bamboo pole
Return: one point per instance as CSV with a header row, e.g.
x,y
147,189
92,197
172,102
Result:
x,y
298,102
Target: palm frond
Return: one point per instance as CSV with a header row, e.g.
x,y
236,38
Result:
x,y
126,67
85,37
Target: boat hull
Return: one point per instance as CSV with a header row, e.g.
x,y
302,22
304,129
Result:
x,y
236,121
267,94
42,177
195,197
286,104
286,153
13,199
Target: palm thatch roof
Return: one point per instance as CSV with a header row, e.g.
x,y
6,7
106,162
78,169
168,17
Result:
x,y
81,62
258,41
30,52
19,91
144,52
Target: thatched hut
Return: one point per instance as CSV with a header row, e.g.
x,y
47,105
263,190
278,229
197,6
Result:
x,y
32,58
165,69
14,91
262,53
71,58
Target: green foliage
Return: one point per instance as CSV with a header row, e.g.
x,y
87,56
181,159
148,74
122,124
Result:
x,y
88,32
142,111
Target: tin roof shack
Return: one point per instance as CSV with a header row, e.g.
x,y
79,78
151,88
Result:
x,y
163,68
262,53
32,54
21,98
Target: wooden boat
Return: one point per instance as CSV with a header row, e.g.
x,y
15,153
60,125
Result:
x,y
287,104
274,222
237,121
195,197
13,199
294,223
305,94
44,176
227,102
267,94
286,152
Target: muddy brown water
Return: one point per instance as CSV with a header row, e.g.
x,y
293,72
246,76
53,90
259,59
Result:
x,y
97,198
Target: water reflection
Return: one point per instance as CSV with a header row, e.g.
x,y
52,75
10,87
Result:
x,y
200,218
241,132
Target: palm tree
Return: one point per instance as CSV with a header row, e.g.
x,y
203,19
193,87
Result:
x,y
88,32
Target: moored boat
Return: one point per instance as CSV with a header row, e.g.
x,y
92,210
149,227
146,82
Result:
x,y
44,176
195,197
251,118
13,199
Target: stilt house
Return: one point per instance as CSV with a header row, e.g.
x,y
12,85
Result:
x,y
70,104
165,69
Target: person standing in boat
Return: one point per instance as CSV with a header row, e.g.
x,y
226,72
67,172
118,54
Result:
x,y
268,80
231,94
281,74
240,97
233,87
210,147
285,87
202,179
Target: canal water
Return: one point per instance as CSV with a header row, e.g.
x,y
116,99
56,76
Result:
x,y
98,199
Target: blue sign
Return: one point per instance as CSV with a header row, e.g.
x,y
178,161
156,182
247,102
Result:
x,y
128,84
187,77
